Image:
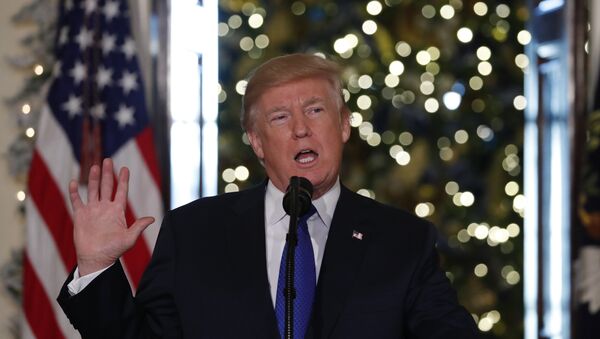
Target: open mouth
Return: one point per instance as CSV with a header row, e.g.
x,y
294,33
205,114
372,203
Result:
x,y
306,156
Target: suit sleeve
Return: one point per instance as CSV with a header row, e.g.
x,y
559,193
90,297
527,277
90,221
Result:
x,y
106,308
432,306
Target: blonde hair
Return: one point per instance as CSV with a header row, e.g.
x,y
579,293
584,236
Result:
x,y
285,69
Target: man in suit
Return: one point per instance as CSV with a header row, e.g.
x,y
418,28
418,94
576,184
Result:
x,y
216,269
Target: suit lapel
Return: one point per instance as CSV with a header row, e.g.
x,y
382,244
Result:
x,y
341,262
246,245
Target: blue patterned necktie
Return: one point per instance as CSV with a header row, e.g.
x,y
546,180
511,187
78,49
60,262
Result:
x,y
305,281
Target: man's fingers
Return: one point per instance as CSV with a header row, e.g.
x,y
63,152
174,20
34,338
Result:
x,y
106,185
122,187
93,183
139,226
74,195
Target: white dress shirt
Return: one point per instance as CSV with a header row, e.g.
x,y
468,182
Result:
x,y
276,227
277,223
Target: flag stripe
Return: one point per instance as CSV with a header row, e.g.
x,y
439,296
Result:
x,y
44,192
144,193
144,196
49,269
139,253
44,260
38,311
145,142
54,148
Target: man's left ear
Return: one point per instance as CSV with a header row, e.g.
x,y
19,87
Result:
x,y
256,144
345,123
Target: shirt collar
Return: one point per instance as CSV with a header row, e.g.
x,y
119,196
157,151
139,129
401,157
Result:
x,y
325,205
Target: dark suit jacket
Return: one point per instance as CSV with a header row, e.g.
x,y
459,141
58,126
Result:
x,y
208,278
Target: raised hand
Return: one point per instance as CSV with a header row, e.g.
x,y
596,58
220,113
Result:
x,y
101,234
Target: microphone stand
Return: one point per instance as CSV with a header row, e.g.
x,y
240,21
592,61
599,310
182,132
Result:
x,y
292,238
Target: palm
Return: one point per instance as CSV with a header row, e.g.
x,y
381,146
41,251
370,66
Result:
x,y
101,233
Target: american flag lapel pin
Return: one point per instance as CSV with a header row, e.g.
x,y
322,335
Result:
x,y
357,235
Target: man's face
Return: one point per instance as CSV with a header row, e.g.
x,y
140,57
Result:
x,y
298,129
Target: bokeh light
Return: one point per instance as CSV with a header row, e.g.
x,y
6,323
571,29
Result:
x,y
480,270
228,175
38,69
432,105
234,21
524,37
405,138
480,8
403,49
447,12
369,27
298,8
452,100
423,57
21,196
396,67
475,82
464,35
428,11
242,173
374,7
484,53
255,20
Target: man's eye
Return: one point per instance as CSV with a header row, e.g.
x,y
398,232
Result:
x,y
278,118
315,110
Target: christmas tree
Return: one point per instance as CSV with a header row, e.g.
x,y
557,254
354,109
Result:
x,y
435,90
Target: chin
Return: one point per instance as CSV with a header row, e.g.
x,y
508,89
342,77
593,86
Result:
x,y
311,178
319,184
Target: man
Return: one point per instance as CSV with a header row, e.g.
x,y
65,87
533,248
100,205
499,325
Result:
x,y
215,271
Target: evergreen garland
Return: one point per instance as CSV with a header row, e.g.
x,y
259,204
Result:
x,y
26,104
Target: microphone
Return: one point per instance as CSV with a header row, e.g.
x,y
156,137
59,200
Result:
x,y
296,202
297,198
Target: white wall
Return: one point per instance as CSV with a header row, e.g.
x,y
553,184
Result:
x,y
12,226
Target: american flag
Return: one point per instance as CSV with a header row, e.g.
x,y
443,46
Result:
x,y
95,109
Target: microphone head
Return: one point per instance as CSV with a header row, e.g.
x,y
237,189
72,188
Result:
x,y
300,189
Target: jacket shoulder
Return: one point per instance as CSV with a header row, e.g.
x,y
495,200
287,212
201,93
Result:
x,y
379,210
217,203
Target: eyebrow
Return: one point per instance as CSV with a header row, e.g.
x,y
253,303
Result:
x,y
312,100
307,102
275,109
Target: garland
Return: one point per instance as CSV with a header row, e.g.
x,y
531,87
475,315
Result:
x,y
26,104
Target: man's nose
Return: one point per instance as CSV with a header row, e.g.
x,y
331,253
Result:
x,y
300,125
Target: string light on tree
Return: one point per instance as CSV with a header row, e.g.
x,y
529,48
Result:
x,y
374,8
231,187
38,70
242,173
428,11
21,196
447,12
366,193
228,175
30,132
480,8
